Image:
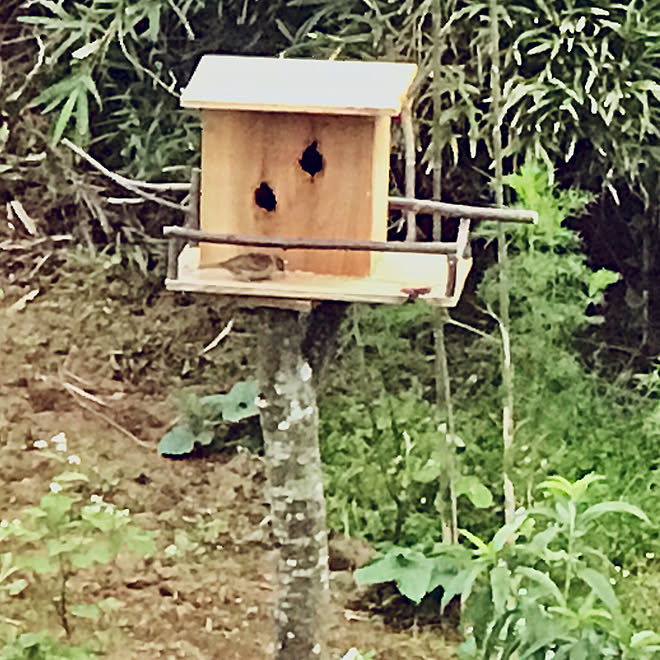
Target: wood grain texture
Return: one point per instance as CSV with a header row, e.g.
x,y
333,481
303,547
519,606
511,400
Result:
x,y
346,199
393,273
298,85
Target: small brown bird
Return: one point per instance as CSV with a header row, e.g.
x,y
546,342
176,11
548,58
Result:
x,y
252,267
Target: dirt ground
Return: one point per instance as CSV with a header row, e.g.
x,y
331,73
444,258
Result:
x,y
101,356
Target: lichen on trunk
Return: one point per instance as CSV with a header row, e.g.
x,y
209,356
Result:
x,y
289,421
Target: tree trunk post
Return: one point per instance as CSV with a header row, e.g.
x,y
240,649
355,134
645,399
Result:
x,y
289,422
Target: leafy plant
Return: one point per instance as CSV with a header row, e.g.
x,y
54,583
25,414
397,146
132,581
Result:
x,y
414,572
41,646
203,415
540,585
64,533
385,462
552,591
198,540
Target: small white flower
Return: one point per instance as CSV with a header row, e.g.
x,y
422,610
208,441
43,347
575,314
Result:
x,y
625,573
305,372
55,487
522,591
73,460
59,441
650,555
97,499
40,444
617,569
4,523
422,500
612,581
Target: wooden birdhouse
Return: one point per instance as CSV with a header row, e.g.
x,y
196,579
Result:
x,y
296,148
300,149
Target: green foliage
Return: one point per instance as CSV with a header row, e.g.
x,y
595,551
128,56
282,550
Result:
x,y
62,533
551,290
117,70
198,539
67,532
572,75
386,466
540,585
203,415
415,573
41,646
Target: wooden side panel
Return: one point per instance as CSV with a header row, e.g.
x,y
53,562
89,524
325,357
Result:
x,y
380,184
243,152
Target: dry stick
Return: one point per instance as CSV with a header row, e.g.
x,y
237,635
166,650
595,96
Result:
x,y
108,420
410,162
503,263
131,184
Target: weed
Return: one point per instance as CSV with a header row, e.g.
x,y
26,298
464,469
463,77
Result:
x,y
203,416
540,586
66,532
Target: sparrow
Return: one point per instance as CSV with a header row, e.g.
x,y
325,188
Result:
x,y
252,267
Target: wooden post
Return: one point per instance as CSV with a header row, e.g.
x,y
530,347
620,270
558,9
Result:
x,y
289,422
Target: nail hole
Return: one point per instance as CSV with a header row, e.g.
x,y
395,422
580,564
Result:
x,y
264,197
312,159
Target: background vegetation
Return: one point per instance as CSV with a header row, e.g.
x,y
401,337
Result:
x,y
579,124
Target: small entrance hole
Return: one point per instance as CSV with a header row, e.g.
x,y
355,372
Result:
x,y
264,197
312,159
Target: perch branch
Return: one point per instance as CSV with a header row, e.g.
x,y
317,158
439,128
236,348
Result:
x,y
461,210
309,243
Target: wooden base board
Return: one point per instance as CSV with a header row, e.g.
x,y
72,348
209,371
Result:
x,y
394,276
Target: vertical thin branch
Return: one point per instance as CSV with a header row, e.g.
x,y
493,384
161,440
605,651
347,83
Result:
x,y
442,380
502,260
443,399
410,162
646,282
436,19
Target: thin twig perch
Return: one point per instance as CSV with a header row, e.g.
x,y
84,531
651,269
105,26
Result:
x,y
463,211
308,243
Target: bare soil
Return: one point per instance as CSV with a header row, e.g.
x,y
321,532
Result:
x,y
101,355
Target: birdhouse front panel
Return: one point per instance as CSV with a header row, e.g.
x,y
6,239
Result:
x,y
296,175
296,148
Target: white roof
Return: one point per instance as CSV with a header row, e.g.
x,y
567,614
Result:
x,y
296,85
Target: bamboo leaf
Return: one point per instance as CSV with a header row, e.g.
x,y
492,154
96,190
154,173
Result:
x,y
65,115
600,586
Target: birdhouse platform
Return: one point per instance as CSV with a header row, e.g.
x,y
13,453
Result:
x,y
395,278
297,148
